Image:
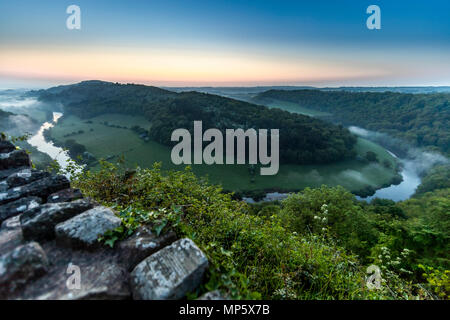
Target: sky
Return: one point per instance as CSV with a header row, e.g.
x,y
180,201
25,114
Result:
x,y
225,43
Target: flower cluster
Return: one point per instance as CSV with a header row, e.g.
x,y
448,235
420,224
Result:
x,y
322,217
388,262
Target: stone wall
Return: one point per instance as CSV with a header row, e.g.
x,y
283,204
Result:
x,y
49,247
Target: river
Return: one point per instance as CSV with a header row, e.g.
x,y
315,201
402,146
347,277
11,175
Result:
x,y
402,191
39,142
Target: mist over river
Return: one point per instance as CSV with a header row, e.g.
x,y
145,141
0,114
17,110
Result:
x,y
414,165
402,191
415,162
411,168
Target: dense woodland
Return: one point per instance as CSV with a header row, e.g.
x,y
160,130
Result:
x,y
436,179
317,244
303,140
421,119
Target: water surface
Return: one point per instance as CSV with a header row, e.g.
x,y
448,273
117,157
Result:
x,y
39,142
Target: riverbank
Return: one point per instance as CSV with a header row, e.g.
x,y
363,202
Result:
x,y
56,153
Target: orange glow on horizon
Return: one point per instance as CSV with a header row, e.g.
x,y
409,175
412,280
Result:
x,y
150,66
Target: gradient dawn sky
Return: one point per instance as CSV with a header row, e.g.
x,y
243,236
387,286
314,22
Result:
x,y
225,43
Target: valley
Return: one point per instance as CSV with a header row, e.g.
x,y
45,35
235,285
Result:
x,y
113,136
110,142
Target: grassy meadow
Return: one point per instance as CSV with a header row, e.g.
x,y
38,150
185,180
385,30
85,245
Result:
x,y
109,142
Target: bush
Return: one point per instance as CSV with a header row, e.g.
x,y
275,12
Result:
x,y
251,256
337,210
371,156
75,149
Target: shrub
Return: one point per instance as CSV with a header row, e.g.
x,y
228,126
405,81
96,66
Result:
x,y
251,256
344,217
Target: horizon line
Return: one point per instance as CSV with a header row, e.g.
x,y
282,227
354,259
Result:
x,y
230,85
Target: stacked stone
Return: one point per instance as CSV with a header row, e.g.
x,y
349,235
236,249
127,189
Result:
x,y
48,238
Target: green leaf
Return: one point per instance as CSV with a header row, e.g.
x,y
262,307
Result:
x,y
110,242
158,228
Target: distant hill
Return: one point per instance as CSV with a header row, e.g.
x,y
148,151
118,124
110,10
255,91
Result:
x,y
416,90
303,140
259,89
422,119
249,93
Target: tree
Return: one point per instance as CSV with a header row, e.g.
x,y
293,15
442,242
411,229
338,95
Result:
x,y
387,164
371,156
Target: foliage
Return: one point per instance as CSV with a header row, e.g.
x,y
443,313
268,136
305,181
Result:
x,y
75,149
437,178
371,156
398,237
251,256
319,142
428,227
421,119
347,222
313,245
14,139
132,218
438,280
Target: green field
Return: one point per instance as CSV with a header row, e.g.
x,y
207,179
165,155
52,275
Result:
x,y
109,143
293,108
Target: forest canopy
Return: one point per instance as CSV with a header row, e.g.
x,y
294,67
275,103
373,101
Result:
x,y
303,140
421,119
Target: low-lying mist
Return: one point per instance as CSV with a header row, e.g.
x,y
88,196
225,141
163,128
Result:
x,y
417,158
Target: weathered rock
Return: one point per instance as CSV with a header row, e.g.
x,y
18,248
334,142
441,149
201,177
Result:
x,y
6,173
9,239
14,159
39,223
84,229
105,281
161,270
17,207
11,223
6,146
40,188
169,273
212,295
65,195
102,282
3,186
25,176
20,266
142,244
101,275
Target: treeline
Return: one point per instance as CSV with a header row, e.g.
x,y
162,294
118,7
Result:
x,y
438,178
422,119
74,148
303,140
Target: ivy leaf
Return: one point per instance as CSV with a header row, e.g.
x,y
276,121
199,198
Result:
x,y
158,228
110,242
